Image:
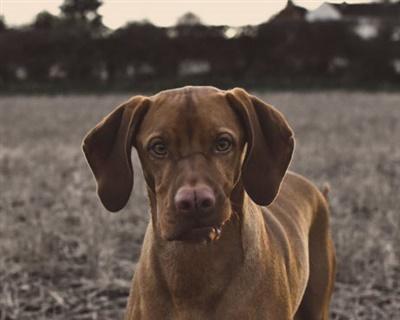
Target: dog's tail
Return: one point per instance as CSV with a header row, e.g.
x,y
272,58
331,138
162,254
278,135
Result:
x,y
325,191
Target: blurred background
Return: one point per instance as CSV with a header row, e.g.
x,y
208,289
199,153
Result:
x,y
333,69
90,45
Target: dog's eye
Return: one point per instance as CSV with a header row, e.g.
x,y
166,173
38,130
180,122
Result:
x,y
158,149
223,144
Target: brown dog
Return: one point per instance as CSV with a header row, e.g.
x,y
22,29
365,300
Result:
x,y
232,235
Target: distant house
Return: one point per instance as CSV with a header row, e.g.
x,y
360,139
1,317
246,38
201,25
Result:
x,y
374,11
367,16
325,12
355,11
291,12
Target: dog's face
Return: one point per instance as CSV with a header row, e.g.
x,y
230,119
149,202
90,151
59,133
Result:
x,y
190,142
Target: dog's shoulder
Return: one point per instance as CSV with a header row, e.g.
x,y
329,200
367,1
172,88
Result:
x,y
297,202
298,188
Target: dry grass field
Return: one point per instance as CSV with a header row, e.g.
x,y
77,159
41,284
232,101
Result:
x,y
62,256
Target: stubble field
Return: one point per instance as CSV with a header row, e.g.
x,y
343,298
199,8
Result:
x,y
62,256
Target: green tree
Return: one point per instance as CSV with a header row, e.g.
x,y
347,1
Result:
x,y
189,19
2,23
82,11
45,21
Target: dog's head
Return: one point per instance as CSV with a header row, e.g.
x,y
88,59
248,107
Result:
x,y
196,145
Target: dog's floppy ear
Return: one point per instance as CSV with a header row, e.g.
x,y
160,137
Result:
x,y
270,145
107,148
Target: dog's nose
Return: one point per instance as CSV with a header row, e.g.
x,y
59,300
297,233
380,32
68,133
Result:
x,y
189,199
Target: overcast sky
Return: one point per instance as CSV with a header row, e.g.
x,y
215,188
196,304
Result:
x,y
161,12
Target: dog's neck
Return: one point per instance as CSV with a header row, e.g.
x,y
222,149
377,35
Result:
x,y
191,269
186,277
198,273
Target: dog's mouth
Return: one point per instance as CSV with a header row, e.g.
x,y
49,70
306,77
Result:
x,y
199,234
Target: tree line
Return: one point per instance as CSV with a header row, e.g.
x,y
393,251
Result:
x,y
75,49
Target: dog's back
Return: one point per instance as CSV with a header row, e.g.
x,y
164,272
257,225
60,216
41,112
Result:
x,y
301,210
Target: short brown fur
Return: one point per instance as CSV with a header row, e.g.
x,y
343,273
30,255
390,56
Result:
x,y
274,258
